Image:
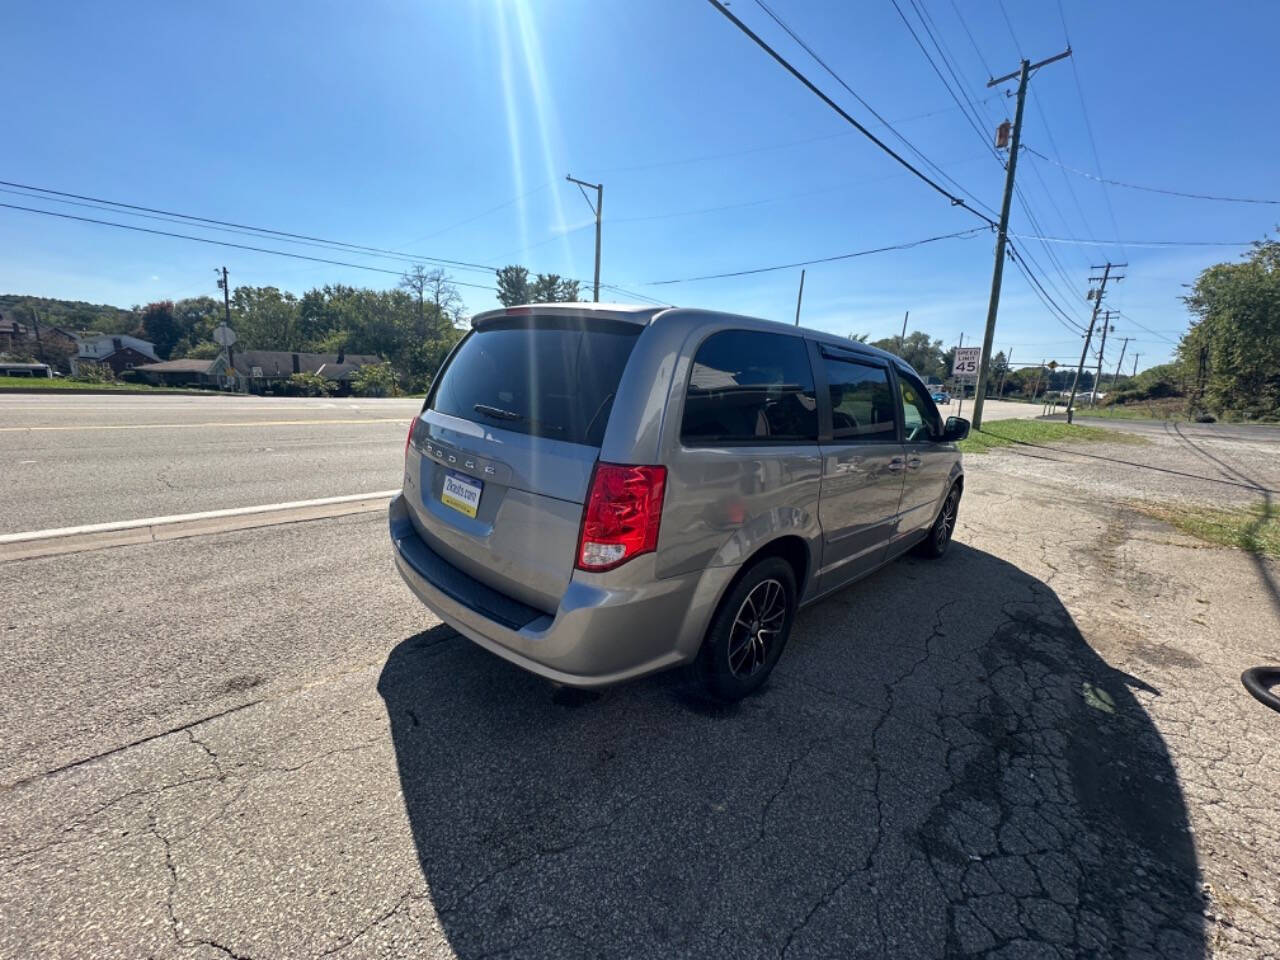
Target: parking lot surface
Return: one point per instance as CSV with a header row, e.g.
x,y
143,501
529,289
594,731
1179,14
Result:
x,y
257,744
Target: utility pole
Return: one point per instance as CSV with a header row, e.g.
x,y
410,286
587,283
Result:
x,y
799,297
1123,347
960,382
1097,305
1008,363
902,340
596,208
226,304
1097,376
1036,389
1135,363
1023,73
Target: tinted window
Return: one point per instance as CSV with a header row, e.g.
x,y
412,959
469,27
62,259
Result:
x,y
920,417
545,376
862,407
749,387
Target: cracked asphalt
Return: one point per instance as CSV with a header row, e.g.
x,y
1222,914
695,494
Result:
x,y
257,744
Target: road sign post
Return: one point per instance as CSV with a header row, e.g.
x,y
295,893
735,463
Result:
x,y
965,368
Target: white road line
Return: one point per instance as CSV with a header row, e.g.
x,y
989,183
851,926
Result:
x,y
191,426
118,525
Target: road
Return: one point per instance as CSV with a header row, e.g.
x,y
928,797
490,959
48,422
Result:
x,y
93,458
257,744
96,458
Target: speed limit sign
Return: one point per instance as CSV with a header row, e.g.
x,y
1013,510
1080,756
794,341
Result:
x,y
966,362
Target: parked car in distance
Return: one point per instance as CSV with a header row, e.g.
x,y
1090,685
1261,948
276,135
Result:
x,y
941,396
598,492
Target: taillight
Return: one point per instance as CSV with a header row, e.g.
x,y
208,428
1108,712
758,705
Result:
x,y
621,516
409,437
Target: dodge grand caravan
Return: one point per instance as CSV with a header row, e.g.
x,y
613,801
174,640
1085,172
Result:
x,y
597,492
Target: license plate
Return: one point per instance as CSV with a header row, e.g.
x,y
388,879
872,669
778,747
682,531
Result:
x,y
461,493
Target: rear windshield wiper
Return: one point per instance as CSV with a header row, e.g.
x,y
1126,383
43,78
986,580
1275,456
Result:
x,y
539,426
497,412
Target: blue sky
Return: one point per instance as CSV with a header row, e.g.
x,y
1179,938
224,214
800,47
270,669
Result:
x,y
403,125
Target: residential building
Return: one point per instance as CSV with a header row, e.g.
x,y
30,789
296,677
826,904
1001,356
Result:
x,y
118,351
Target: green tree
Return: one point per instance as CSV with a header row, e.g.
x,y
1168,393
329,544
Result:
x,y
307,384
918,349
266,319
161,327
553,288
1231,353
513,286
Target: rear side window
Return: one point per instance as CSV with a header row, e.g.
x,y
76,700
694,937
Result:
x,y
749,387
862,405
544,376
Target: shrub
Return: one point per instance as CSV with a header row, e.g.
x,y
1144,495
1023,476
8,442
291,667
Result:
x,y
374,380
90,372
306,384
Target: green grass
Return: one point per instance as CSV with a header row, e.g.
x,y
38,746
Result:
x,y
1006,433
62,384
1250,528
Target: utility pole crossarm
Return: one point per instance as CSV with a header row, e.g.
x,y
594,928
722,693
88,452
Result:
x,y
1031,66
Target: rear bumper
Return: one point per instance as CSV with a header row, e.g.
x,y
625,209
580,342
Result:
x,y
602,633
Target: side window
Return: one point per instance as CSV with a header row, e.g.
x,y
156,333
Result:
x,y
920,418
749,387
862,407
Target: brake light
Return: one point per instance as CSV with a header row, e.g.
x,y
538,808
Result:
x,y
409,438
621,517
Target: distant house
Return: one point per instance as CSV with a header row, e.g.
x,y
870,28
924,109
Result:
x,y
45,342
260,368
118,351
184,373
255,370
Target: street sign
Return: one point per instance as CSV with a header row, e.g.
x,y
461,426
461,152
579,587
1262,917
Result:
x,y
224,335
966,362
1053,364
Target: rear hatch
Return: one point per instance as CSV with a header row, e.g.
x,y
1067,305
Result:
x,y
500,459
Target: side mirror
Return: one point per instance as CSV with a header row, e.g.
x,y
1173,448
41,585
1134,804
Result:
x,y
956,429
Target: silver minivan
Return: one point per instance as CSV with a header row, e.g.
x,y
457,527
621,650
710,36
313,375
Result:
x,y
598,492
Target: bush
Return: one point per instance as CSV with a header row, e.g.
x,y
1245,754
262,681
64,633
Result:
x,y
374,380
90,372
306,385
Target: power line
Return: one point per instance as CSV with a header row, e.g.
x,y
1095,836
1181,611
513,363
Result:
x,y
1088,126
806,263
1055,310
355,248
872,110
973,43
1154,333
1137,243
786,65
1138,186
1009,23
224,243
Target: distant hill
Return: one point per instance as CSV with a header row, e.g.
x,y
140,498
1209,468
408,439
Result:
x,y
73,315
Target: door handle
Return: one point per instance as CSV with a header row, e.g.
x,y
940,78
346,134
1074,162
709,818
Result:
x,y
896,464
914,463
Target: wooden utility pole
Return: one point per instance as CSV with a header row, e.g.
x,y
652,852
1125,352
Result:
x,y
1135,363
1102,349
1116,377
1008,363
1097,305
1023,73
596,208
1036,388
902,340
799,297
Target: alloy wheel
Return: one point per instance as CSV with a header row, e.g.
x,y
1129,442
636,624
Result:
x,y
756,627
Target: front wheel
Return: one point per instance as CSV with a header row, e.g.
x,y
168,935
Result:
x,y
748,632
939,538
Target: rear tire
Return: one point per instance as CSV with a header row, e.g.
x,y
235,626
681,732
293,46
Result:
x,y
939,538
747,634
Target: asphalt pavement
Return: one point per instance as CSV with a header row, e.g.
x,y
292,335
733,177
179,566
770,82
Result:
x,y
84,459
257,744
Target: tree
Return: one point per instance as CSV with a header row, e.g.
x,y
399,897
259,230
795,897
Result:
x,y
161,327
445,296
924,354
1231,353
414,282
859,337
513,286
374,380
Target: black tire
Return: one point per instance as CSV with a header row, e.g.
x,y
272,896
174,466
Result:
x,y
738,654
935,544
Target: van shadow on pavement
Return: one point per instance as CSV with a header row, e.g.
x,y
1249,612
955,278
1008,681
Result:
x,y
940,766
